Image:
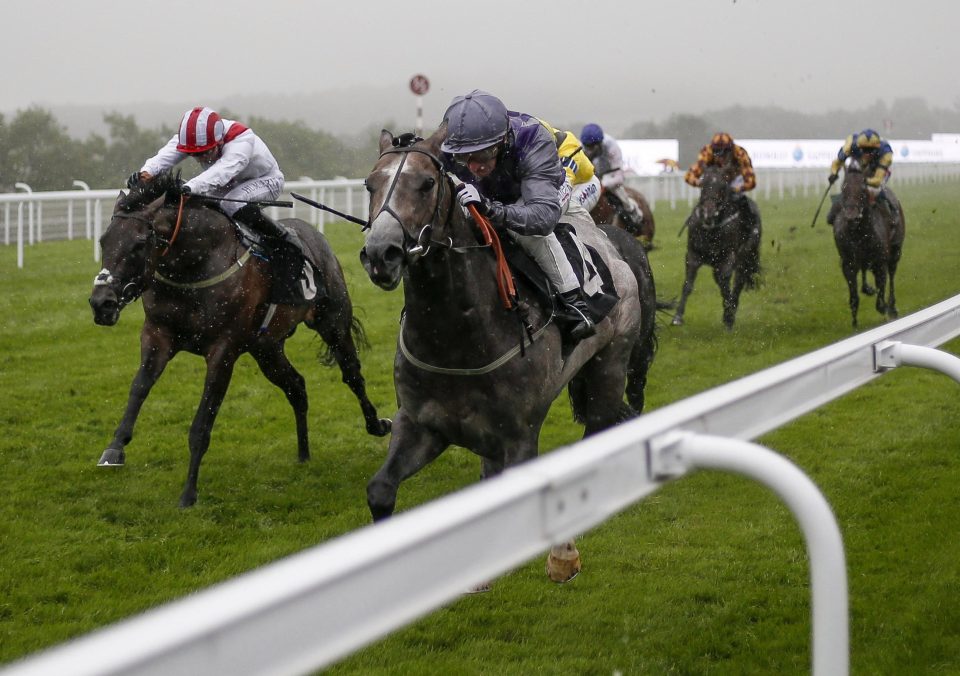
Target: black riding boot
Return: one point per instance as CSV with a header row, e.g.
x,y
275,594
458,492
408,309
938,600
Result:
x,y
574,309
251,215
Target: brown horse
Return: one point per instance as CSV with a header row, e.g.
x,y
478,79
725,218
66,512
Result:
x,y
868,237
608,211
469,372
723,234
203,292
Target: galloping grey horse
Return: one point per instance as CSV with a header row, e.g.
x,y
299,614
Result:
x,y
460,374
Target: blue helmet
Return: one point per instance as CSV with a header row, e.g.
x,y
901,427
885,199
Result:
x,y
474,121
591,134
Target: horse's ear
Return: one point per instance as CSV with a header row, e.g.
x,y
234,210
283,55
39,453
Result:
x,y
386,140
438,137
121,199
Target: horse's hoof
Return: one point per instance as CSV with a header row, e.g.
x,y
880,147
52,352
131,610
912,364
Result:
x,y
677,321
112,457
479,588
380,428
868,290
563,563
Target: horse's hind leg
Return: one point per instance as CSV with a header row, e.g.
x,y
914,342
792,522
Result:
x,y
219,371
336,327
155,353
279,371
865,287
596,393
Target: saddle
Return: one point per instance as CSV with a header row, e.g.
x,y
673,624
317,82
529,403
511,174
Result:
x,y
600,294
296,279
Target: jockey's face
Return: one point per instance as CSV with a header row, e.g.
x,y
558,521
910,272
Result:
x,y
481,163
208,157
592,149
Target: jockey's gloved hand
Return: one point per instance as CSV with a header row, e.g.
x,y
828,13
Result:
x,y
133,180
184,189
831,179
467,195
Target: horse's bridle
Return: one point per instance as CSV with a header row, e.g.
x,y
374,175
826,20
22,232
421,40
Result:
x,y
419,246
130,291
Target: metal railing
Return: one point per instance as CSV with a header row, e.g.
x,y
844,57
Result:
x,y
69,214
311,609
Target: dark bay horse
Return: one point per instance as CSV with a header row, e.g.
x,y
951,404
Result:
x,y
460,375
608,209
868,238
720,234
203,292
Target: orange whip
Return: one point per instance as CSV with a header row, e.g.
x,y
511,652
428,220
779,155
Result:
x,y
505,285
176,228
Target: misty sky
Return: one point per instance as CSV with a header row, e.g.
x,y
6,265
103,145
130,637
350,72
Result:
x,y
625,60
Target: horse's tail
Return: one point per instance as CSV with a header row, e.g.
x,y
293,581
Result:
x,y
326,354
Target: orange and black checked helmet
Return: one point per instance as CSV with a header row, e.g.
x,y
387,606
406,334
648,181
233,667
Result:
x,y
721,143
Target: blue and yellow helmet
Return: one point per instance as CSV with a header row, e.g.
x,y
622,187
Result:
x,y
868,139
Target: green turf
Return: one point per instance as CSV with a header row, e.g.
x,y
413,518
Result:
x,y
707,576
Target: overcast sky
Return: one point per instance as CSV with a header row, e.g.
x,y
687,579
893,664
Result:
x,y
628,60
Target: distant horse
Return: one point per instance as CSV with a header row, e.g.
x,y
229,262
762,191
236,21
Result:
x,y
203,292
608,211
719,235
461,374
868,238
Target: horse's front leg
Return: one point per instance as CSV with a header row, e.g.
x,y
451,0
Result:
x,y
850,275
865,287
692,265
722,275
880,276
279,371
412,447
156,350
220,364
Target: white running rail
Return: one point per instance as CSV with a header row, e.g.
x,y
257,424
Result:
x,y
308,610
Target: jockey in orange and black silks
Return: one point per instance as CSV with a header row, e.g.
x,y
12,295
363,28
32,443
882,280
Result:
x,y
724,153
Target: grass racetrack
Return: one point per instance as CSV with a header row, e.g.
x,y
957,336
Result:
x,y
708,576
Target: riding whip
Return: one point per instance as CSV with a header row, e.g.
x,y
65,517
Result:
x,y
820,206
307,200
259,203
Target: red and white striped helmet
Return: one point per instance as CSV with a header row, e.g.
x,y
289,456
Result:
x,y
200,130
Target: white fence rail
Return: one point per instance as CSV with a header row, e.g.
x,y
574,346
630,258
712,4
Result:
x,y
31,217
306,611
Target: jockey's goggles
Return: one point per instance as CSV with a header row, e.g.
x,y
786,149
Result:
x,y
481,156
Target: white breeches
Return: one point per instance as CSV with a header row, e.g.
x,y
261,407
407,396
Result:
x,y
252,191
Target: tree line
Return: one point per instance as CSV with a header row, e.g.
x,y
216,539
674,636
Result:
x,y
37,150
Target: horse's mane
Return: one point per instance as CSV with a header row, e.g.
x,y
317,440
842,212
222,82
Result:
x,y
146,192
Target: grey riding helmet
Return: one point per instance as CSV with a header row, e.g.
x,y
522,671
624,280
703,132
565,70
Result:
x,y
474,122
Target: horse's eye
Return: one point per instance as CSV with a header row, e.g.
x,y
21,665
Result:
x,y
428,184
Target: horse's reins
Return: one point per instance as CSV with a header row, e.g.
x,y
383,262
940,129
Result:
x,y
176,227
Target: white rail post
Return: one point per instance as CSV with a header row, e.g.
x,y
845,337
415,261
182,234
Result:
x,y
889,354
26,188
674,452
85,187
97,229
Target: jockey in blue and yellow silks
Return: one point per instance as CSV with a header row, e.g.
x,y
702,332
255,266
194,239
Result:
x,y
875,155
582,182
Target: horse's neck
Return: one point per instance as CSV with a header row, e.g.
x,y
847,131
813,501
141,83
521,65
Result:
x,y
450,293
203,240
